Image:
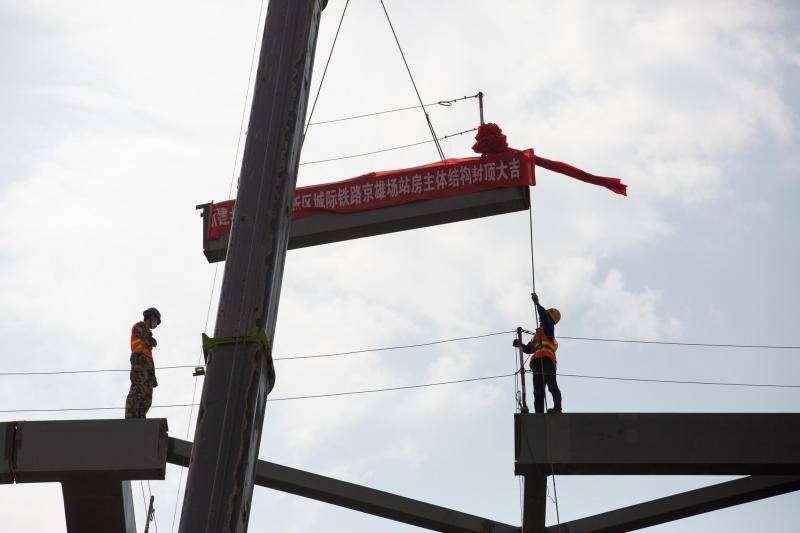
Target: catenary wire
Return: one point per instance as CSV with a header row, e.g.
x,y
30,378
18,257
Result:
x,y
435,384
444,103
431,343
387,149
408,69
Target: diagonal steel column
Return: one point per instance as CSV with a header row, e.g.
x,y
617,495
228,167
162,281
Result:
x,y
358,497
221,475
682,505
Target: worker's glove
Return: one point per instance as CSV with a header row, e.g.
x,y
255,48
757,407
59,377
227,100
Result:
x,y
153,342
535,298
155,383
515,344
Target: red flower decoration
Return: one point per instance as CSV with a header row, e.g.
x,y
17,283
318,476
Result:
x,y
490,140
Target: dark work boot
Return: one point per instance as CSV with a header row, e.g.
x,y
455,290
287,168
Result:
x,y
554,410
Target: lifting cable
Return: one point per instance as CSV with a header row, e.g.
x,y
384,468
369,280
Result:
x,y
324,72
427,117
541,369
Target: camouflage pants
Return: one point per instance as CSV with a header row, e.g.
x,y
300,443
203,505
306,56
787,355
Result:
x,y
143,379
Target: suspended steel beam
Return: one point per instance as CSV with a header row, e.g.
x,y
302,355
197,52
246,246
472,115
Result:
x,y
357,497
658,443
219,486
683,505
325,228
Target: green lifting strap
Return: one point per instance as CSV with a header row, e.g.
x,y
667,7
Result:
x,y
260,338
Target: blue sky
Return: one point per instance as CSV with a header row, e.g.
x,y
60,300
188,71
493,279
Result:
x,y
119,119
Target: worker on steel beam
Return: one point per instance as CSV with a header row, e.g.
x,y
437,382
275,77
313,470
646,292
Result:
x,y
543,345
143,371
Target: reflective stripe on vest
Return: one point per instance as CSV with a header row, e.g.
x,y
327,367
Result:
x,y
138,345
543,346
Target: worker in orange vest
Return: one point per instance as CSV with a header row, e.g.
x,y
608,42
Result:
x,y
543,345
143,371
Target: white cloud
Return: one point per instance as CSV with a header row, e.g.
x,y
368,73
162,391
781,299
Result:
x,y
619,313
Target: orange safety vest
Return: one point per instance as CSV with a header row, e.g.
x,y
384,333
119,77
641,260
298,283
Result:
x,y
543,346
138,345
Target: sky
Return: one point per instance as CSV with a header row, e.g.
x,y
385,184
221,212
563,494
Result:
x,y
119,118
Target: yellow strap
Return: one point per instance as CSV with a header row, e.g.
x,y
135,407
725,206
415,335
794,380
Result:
x,y
260,338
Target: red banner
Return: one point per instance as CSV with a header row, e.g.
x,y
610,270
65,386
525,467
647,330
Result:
x,y
220,218
451,177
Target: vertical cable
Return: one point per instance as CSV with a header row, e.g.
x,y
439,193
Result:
x,y
541,368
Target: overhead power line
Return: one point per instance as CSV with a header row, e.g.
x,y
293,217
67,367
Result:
x,y
399,347
685,382
387,149
445,103
423,344
675,343
434,384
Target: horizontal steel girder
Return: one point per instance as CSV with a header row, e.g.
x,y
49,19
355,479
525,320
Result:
x,y
357,497
75,450
683,505
325,228
658,443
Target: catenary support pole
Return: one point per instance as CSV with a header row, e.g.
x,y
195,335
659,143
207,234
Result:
x,y
524,402
219,485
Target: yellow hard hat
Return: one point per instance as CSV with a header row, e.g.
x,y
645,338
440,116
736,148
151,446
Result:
x,y
555,314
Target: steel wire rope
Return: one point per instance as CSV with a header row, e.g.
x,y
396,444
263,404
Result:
x,y
434,384
443,103
541,368
413,83
340,158
324,72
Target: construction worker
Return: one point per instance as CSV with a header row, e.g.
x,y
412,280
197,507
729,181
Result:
x,y
543,345
143,371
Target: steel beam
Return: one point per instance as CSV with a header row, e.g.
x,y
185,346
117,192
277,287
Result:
x,y
98,504
683,505
357,497
64,450
325,228
658,443
219,486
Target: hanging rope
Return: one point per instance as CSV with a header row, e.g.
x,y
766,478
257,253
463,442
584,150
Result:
x,y
541,368
324,71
